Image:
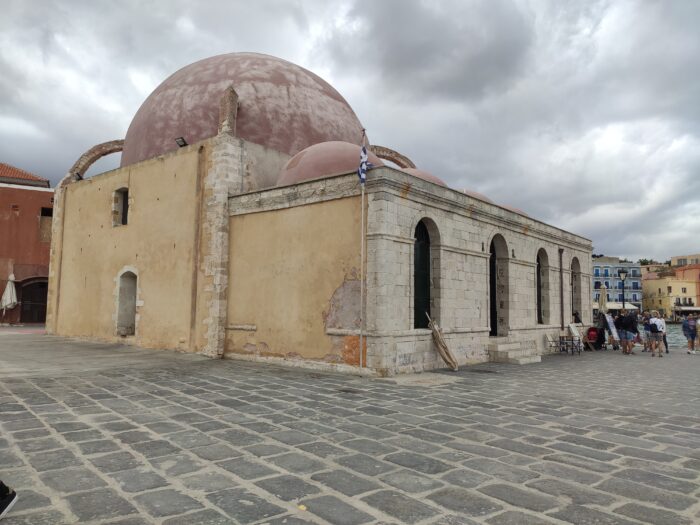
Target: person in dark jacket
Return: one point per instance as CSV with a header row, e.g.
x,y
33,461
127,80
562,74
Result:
x,y
628,323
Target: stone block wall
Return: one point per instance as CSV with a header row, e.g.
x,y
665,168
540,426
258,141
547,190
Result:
x,y
461,230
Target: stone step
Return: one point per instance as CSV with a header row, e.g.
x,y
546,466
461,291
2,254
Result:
x,y
525,360
522,352
504,346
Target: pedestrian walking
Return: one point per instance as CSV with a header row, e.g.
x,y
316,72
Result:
x,y
657,330
8,498
689,327
629,332
647,331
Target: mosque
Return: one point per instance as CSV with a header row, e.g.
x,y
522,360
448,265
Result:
x,y
236,227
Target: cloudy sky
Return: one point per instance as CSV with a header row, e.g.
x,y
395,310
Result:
x,y
585,114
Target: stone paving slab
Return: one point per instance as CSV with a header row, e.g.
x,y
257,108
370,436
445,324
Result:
x,y
106,434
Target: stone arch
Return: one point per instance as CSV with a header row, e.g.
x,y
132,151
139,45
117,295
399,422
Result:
x,y
499,262
542,287
127,301
394,156
576,288
426,272
92,155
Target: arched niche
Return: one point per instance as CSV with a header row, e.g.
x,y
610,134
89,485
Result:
x,y
126,304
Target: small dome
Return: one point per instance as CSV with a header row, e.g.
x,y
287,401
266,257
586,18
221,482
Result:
x,y
280,105
323,160
477,195
424,175
515,210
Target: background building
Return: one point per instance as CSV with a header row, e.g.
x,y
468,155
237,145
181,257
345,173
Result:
x,y
606,271
671,296
26,208
684,260
673,290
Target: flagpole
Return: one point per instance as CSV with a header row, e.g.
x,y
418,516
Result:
x,y
362,258
362,269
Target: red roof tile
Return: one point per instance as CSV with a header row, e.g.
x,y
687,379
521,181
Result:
x,y
10,172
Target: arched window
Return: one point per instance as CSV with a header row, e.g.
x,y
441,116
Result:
x,y
126,313
421,276
542,287
576,288
498,287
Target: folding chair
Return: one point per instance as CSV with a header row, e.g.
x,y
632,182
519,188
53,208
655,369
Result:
x,y
556,343
575,339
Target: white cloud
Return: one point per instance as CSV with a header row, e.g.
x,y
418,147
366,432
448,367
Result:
x,y
584,114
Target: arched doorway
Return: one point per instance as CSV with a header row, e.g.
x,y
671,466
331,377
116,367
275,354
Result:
x,y
576,285
421,276
542,287
498,287
33,299
126,313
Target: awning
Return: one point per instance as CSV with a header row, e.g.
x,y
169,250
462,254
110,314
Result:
x,y
617,306
686,308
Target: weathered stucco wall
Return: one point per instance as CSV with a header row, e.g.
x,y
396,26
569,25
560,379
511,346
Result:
x,y
157,245
293,282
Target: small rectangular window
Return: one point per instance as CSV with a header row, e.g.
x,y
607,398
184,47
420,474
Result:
x,y
669,289
684,290
120,207
45,226
47,212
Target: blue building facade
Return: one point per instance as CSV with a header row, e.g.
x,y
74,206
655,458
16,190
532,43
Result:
x,y
606,271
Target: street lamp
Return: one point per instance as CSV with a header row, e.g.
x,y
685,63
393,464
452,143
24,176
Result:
x,y
622,274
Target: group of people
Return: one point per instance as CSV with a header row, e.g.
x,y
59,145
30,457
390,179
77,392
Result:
x,y
653,333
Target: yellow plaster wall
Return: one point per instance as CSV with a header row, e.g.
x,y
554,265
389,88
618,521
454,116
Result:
x,y
664,301
158,242
285,267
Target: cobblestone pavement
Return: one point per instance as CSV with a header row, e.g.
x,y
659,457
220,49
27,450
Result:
x,y
107,434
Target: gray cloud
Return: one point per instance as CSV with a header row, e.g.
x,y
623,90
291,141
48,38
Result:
x,y
584,114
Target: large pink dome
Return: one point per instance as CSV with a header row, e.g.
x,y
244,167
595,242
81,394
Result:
x,y
281,106
323,160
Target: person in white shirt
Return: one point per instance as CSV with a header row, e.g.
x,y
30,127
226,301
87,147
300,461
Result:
x,y
658,329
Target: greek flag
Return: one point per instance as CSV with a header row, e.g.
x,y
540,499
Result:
x,y
364,165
